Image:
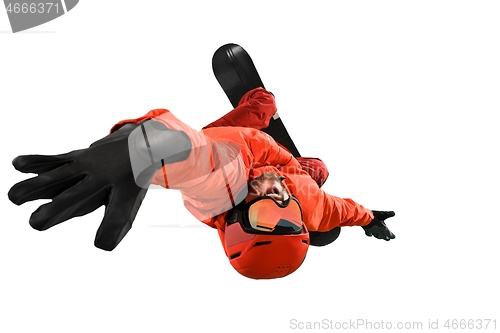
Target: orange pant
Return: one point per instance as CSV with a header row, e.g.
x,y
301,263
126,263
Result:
x,y
255,111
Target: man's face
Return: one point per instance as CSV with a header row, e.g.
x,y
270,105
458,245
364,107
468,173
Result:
x,y
267,184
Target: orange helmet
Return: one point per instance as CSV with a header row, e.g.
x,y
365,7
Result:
x,y
264,239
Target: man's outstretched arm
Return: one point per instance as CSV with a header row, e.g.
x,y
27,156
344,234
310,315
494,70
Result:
x,y
345,212
81,181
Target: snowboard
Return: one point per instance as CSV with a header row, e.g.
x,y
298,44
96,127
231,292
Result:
x,y
237,75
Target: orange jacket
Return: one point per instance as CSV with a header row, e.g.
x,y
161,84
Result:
x,y
220,164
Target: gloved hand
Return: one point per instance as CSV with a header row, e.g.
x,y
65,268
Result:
x,y
377,226
81,181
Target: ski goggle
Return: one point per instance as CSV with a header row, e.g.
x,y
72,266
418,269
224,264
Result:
x,y
266,216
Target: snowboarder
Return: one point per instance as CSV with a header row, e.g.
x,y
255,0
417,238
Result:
x,y
265,206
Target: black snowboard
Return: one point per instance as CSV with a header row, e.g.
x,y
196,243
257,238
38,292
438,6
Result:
x,y
237,75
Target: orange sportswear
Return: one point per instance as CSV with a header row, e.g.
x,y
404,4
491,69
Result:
x,y
223,159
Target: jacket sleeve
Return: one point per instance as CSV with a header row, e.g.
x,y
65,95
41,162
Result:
x,y
322,211
340,212
200,160
151,114
209,179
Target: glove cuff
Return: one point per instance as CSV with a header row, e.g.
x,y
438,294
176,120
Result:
x,y
152,145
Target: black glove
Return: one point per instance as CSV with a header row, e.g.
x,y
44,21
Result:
x,y
81,181
377,226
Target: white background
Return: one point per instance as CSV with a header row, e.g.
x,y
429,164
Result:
x,y
399,98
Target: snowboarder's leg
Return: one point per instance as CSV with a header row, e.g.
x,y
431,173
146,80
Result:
x,y
316,168
255,109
